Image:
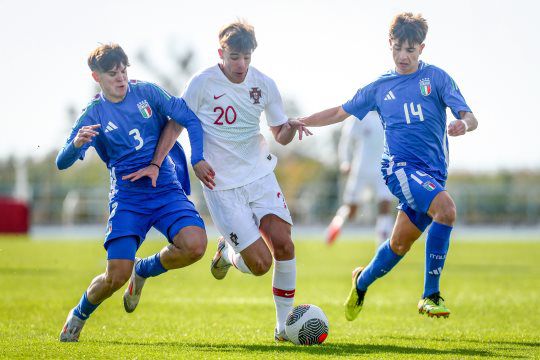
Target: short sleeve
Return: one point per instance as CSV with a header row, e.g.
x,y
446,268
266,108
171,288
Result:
x,y
451,95
192,92
362,102
274,110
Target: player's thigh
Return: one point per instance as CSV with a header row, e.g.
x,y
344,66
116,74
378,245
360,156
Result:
x,y
175,212
257,257
266,197
122,248
127,219
277,233
443,208
404,234
233,217
353,187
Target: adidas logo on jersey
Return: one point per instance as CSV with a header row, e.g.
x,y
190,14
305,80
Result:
x,y
110,127
390,96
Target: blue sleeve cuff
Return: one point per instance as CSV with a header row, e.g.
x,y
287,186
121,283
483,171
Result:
x,y
67,156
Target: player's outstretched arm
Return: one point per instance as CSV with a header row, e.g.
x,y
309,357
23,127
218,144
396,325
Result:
x,y
284,133
326,117
461,126
71,151
168,137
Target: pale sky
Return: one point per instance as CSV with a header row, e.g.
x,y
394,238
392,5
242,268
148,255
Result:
x,y
318,52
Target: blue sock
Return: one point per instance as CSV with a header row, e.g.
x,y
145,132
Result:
x,y
437,242
84,308
150,266
385,259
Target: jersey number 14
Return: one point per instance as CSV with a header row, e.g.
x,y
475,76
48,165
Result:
x,y
417,112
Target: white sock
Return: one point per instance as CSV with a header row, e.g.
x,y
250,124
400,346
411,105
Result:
x,y
384,227
284,285
236,260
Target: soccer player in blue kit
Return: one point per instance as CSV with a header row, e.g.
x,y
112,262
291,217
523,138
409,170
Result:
x,y
148,187
411,101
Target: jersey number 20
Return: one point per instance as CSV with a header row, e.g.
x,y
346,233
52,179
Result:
x,y
229,114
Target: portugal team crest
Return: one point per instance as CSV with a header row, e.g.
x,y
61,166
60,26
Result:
x,y
255,94
425,86
145,109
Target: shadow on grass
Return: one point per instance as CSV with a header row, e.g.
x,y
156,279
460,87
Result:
x,y
473,341
343,349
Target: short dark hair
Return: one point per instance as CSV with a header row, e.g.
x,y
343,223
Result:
x,y
238,36
106,57
408,27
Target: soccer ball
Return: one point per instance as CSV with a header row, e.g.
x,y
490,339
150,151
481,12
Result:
x,y
306,325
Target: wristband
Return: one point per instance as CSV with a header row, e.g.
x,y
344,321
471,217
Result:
x,y
466,126
159,167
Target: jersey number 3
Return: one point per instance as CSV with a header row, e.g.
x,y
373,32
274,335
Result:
x,y
417,112
137,136
228,113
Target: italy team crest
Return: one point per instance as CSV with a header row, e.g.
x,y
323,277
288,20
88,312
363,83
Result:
x,y
429,186
425,86
145,109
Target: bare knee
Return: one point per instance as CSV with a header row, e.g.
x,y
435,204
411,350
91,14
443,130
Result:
x,y
115,279
443,209
284,250
446,215
400,248
189,245
195,248
260,265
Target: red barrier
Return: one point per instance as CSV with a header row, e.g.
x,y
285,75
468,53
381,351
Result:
x,y
14,216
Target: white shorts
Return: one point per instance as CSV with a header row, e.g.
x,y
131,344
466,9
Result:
x,y
237,212
359,183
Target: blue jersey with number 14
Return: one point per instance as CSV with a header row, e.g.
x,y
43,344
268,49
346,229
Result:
x,y
412,108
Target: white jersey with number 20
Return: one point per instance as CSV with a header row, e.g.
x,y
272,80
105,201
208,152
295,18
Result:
x,y
230,115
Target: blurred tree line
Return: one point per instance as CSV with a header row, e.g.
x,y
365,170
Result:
x,y
311,186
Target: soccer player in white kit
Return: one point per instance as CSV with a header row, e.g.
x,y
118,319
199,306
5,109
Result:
x,y
244,199
359,152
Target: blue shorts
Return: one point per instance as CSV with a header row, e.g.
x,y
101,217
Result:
x,y
415,190
132,214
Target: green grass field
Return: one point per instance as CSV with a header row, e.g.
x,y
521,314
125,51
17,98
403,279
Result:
x,y
493,290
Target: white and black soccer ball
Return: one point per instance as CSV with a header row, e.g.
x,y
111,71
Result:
x,y
306,325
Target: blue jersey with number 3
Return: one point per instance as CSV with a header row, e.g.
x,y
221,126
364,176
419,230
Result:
x,y
413,113
129,134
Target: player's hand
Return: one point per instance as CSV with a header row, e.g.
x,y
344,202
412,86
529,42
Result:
x,y
457,128
205,173
300,127
152,171
345,168
85,135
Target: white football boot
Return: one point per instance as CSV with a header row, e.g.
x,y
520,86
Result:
x,y
72,328
280,336
220,264
132,295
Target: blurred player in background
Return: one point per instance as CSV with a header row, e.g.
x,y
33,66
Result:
x,y
411,100
247,205
123,123
359,153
